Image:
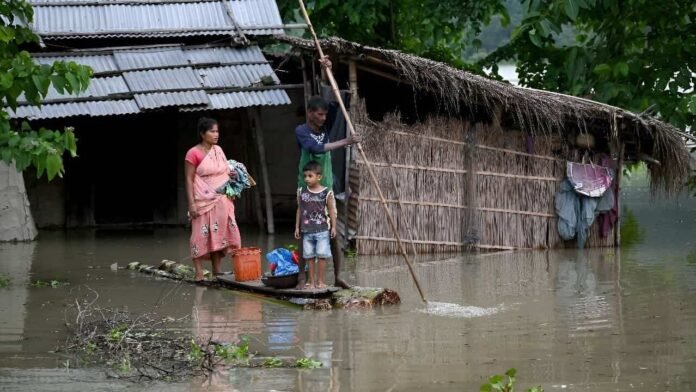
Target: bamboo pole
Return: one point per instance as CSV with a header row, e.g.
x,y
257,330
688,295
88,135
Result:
x,y
619,174
351,129
257,132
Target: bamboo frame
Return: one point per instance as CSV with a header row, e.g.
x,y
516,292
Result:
x,y
459,171
463,207
445,243
502,205
448,141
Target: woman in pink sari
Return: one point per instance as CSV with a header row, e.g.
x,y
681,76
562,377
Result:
x,y
214,231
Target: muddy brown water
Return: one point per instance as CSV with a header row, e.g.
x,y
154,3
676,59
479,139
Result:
x,y
598,320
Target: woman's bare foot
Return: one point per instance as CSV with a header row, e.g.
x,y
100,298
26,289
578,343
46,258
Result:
x,y
199,278
310,286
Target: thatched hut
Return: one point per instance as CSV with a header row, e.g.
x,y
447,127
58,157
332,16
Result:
x,y
470,162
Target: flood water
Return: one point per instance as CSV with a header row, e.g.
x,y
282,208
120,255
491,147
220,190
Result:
x,y
598,320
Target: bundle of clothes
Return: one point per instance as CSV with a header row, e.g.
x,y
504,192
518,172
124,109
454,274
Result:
x,y
235,185
586,194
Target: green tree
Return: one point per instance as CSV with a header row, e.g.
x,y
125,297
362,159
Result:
x,y
635,54
21,78
437,29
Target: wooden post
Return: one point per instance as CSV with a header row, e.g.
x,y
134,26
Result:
x,y
619,174
257,133
353,86
353,83
258,207
306,82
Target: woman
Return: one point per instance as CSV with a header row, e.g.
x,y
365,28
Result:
x,y
214,230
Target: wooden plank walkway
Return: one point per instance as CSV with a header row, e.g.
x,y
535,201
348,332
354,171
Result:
x,y
256,286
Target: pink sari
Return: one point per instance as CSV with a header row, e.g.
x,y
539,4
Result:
x,y
215,229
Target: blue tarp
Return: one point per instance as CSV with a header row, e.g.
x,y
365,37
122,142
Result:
x,y
282,258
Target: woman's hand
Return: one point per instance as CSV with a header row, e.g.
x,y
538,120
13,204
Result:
x,y
233,174
297,233
333,232
192,213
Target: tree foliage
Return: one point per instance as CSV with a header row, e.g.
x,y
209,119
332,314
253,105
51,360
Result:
x,y
635,54
22,79
437,29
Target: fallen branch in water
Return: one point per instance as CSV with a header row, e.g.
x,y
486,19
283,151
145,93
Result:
x,y
148,347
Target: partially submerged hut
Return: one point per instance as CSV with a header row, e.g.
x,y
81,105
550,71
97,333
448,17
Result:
x,y
470,162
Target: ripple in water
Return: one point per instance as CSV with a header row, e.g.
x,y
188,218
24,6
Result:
x,y
445,309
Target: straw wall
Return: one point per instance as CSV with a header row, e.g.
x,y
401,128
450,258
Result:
x,y
457,186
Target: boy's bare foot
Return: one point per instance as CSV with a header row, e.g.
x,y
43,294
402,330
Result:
x,y
310,286
321,286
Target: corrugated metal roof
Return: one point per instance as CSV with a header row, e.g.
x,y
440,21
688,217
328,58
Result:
x,y
143,34
87,19
130,18
160,57
131,90
72,109
225,54
183,98
162,79
236,75
248,99
252,14
99,63
98,87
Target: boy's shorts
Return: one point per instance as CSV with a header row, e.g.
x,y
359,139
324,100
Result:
x,y
316,245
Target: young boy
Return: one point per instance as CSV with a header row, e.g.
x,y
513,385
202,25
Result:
x,y
316,214
313,140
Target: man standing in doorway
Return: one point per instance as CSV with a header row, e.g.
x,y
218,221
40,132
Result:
x,y
313,141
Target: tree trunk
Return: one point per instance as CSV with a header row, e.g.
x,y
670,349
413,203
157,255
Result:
x,y
16,222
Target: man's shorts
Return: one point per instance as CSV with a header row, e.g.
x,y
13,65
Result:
x,y
316,245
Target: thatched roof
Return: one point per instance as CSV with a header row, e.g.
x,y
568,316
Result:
x,y
533,111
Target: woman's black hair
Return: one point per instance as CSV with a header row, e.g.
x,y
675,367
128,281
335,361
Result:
x,y
205,124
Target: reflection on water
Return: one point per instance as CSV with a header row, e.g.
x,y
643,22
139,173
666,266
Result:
x,y
631,231
600,319
16,264
224,320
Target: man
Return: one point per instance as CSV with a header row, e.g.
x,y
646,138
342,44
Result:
x,y
313,140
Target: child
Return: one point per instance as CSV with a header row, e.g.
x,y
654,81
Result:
x,y
316,214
